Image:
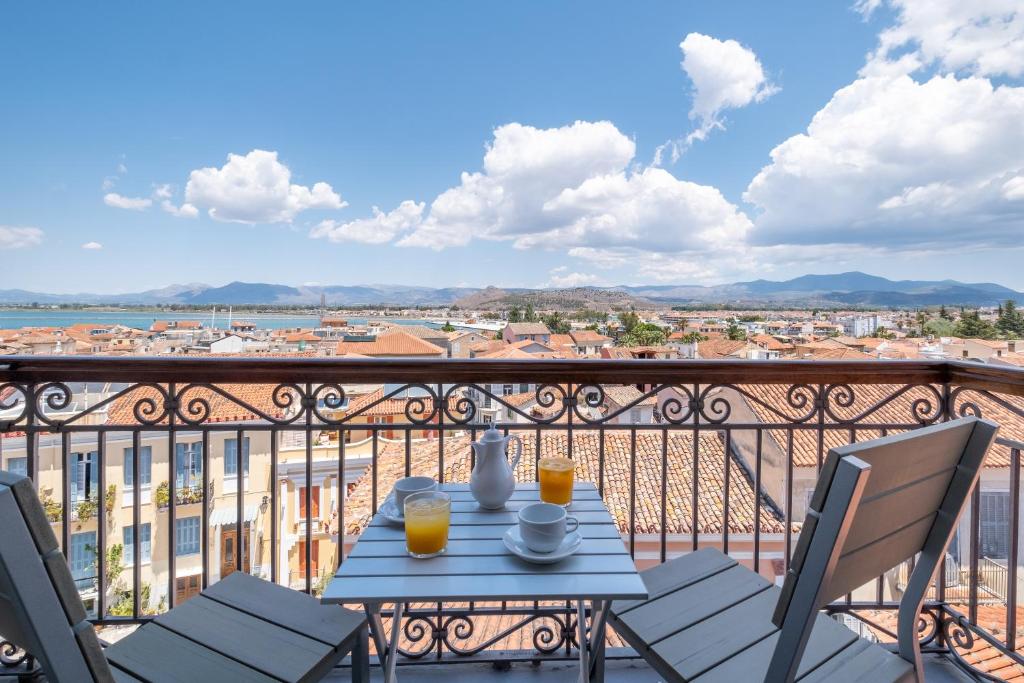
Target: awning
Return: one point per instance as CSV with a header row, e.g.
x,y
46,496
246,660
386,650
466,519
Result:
x,y
229,515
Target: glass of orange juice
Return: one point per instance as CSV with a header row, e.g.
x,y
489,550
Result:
x,y
556,480
427,517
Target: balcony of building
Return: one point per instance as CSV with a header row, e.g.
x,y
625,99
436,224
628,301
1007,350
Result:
x,y
685,454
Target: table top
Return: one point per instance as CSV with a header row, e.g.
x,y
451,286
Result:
x,y
478,566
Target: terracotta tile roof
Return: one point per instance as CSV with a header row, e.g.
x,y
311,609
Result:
x,y
528,328
836,354
302,336
221,409
627,395
421,331
766,341
528,343
392,406
506,351
720,348
559,340
487,346
392,343
158,326
588,337
1015,358
898,411
617,463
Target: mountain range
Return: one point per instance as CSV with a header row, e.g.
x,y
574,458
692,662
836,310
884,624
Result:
x,y
840,289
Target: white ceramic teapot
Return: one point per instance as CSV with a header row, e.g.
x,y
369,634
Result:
x,y
493,480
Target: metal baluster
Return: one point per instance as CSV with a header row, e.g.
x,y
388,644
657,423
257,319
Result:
x,y
65,530
274,503
725,497
309,491
136,524
664,494
789,497
204,531
172,508
101,528
239,501
342,494
632,492
972,607
1011,579
695,475
757,501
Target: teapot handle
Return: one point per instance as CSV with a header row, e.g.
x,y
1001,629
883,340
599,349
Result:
x,y
519,450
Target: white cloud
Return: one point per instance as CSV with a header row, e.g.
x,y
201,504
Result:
x,y
12,237
163,191
92,246
383,227
255,188
890,160
121,202
121,168
980,37
573,186
560,277
186,210
108,183
725,75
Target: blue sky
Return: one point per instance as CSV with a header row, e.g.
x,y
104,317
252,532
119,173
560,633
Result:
x,y
111,110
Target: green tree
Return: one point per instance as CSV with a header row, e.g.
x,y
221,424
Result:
x,y
944,314
448,327
644,334
1011,321
971,325
530,315
694,338
736,333
515,315
939,327
629,321
882,333
557,323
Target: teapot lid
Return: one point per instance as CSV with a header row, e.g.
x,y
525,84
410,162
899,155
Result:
x,y
491,435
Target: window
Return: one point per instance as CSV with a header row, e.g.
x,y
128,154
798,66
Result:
x,y
128,534
188,465
231,457
18,466
82,555
995,524
84,476
186,536
634,415
145,466
314,499
506,389
523,388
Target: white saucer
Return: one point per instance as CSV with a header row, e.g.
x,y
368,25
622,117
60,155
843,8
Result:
x,y
391,511
514,542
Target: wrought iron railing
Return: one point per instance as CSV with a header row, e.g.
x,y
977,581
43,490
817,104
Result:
x,y
686,454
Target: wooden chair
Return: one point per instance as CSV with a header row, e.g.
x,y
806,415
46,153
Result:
x,y
877,504
240,629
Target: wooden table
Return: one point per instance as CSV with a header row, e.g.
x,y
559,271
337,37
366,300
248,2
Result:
x,y
478,567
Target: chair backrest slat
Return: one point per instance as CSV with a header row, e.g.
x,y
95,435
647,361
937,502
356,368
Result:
x,y
915,486
43,612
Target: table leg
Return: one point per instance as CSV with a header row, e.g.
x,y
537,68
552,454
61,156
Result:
x,y
581,627
396,629
380,641
598,626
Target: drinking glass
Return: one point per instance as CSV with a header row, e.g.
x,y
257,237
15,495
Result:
x,y
556,480
427,517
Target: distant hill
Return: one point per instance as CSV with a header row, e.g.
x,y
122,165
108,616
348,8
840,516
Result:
x,y
839,289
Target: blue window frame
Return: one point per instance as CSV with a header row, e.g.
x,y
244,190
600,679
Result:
x,y
128,535
231,457
85,476
188,464
18,466
186,537
145,466
82,555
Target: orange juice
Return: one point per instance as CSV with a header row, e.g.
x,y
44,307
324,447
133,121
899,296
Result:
x,y
427,516
556,480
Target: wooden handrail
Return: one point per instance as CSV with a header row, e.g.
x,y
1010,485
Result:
x,y
39,369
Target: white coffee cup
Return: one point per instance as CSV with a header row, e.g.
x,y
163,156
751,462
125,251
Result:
x,y
410,485
543,526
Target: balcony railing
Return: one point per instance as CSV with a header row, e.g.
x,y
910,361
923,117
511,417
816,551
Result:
x,y
693,454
